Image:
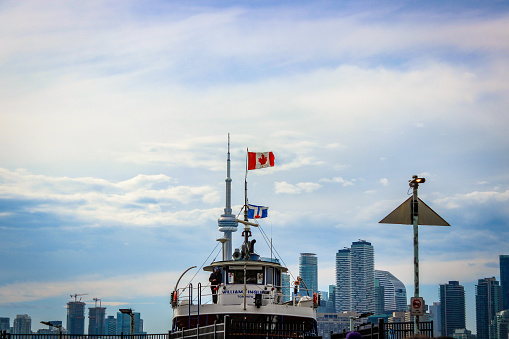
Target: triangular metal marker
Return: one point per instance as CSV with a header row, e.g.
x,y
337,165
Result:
x,y
403,215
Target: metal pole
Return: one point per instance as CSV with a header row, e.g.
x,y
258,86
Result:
x,y
415,216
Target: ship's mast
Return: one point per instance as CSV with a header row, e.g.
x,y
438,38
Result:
x,y
226,222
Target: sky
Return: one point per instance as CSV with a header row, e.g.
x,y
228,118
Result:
x,y
114,121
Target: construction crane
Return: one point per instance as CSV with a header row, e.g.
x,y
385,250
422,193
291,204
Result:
x,y
77,295
97,300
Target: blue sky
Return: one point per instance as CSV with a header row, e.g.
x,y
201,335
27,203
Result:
x,y
114,119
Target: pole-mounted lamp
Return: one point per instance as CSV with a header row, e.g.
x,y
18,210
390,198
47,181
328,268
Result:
x,y
47,323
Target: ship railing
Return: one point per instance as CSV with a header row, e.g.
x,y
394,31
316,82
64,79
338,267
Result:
x,y
202,294
215,331
272,294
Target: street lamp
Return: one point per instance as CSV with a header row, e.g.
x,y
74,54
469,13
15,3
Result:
x,y
130,312
47,323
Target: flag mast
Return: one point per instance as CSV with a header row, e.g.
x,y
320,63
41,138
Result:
x,y
247,231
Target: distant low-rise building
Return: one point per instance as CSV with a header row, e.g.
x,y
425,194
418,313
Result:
x,y
335,322
111,325
434,311
5,324
463,333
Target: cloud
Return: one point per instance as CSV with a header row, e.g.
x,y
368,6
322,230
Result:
x,y
474,198
145,200
135,285
339,180
301,187
384,181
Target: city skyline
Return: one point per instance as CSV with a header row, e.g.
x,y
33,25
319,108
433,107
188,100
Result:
x,y
114,121
450,293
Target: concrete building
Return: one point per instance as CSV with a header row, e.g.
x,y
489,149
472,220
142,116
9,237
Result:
x,y
22,324
504,280
394,292
343,283
499,327
331,302
308,271
355,278
97,320
363,277
76,317
285,283
111,325
488,302
124,323
379,297
335,322
463,333
452,308
5,324
435,316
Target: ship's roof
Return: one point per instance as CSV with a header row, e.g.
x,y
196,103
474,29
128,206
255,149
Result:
x,y
241,263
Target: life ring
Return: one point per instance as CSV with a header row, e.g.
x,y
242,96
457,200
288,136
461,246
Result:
x,y
315,298
174,296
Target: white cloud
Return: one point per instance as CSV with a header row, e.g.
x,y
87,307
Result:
x,y
301,187
473,198
131,202
339,180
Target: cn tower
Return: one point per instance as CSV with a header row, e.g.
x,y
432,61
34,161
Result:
x,y
226,222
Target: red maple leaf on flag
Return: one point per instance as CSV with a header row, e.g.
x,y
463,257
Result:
x,y
262,160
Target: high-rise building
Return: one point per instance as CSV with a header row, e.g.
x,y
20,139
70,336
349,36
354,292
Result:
x,y
504,280
111,325
434,312
379,298
499,327
308,271
488,302
124,323
331,302
5,324
343,283
22,324
452,307
355,278
76,317
285,284
394,292
323,298
97,320
363,277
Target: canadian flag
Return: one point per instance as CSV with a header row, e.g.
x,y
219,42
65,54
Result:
x,y
256,160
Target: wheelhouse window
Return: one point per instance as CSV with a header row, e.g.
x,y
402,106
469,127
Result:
x,y
253,276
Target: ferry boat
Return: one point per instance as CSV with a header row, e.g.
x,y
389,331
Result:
x,y
250,300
